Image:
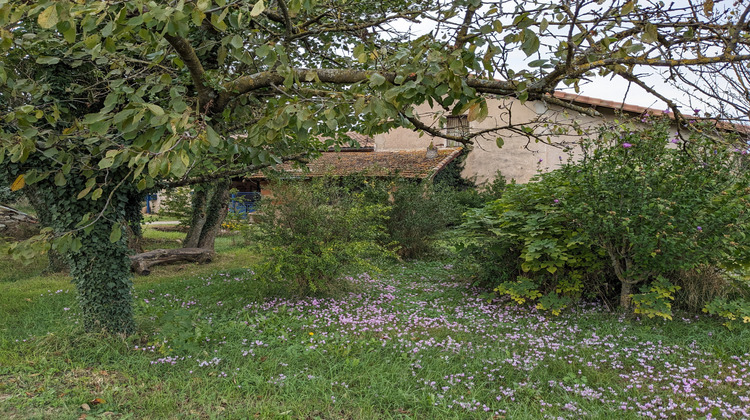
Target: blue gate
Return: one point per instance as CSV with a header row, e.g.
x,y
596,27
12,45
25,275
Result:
x,y
243,202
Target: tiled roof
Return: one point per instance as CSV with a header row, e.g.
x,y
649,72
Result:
x,y
596,102
407,164
588,100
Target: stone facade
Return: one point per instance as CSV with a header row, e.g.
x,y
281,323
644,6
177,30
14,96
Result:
x,y
520,158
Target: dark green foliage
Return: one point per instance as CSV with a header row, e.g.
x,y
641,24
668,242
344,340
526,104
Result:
x,y
311,231
495,189
418,212
7,196
96,249
635,209
104,290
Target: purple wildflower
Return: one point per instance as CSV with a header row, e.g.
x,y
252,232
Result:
x,y
627,145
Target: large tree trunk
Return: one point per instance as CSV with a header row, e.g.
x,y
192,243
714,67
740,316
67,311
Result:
x,y
101,273
216,212
209,211
142,263
100,268
198,220
133,219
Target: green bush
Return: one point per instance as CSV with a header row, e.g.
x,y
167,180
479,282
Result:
x,y
312,231
418,212
177,203
655,208
633,207
527,237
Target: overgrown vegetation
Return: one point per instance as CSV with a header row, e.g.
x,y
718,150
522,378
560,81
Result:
x,y
312,230
637,209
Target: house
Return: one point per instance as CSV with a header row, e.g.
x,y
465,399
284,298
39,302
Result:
x,y
412,164
520,157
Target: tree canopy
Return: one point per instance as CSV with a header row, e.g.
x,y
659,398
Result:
x,y
101,100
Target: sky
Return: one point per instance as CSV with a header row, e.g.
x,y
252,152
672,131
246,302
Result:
x,y
608,88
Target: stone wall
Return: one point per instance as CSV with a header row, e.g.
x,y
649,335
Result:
x,y
11,218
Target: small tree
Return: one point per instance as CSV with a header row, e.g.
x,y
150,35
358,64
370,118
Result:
x,y
658,204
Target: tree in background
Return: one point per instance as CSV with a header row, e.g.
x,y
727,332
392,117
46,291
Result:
x,y
101,101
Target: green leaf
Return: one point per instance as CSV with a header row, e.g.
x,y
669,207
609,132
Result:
x,y
237,42
628,7
500,142
68,30
60,179
376,80
538,63
258,8
106,162
212,137
650,34
531,43
116,233
202,5
48,18
155,109
47,60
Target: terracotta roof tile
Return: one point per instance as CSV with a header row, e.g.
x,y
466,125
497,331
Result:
x,y
408,164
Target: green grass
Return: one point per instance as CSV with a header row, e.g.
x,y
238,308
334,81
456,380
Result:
x,y
408,342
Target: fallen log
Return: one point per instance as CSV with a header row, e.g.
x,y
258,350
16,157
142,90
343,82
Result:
x,y
141,263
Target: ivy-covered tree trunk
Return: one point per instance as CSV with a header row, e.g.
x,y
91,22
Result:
x,y
56,261
209,210
133,219
101,273
98,255
216,212
198,220
625,294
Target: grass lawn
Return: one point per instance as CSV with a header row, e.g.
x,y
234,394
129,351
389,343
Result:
x,y
410,341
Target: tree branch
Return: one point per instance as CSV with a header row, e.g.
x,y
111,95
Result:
x,y
229,173
197,73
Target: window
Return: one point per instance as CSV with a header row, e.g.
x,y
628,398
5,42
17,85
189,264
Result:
x,y
458,126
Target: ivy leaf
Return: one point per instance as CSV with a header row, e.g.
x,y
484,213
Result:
x,y
48,18
116,233
258,8
18,183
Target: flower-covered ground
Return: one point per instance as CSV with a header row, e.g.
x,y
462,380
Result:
x,y
408,342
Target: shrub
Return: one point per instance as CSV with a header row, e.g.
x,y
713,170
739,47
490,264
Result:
x,y
526,238
418,212
633,207
312,231
656,209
